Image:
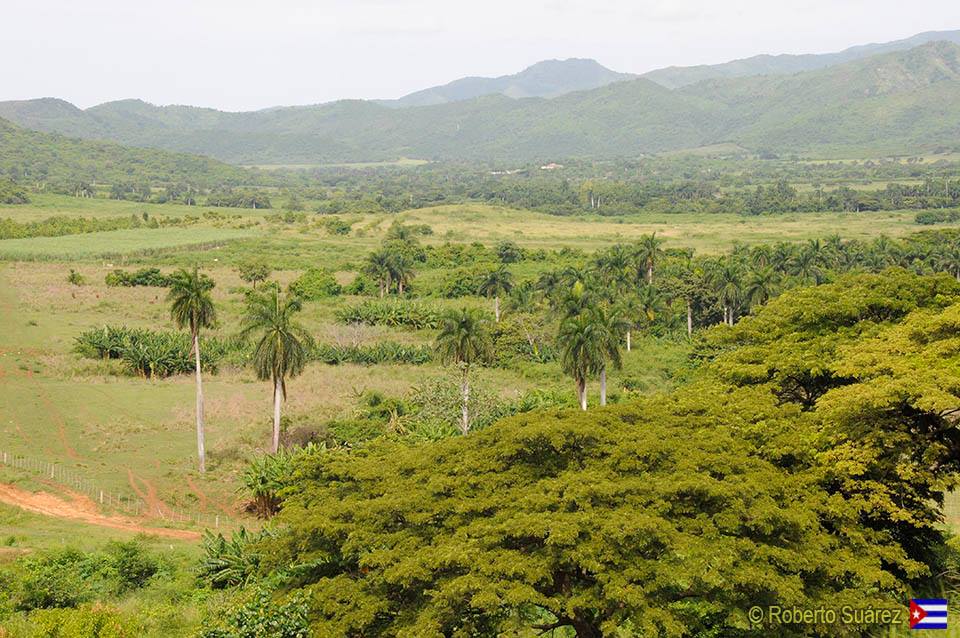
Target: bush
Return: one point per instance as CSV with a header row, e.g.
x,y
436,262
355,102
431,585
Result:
x,y
142,277
259,615
263,479
394,313
336,226
87,621
229,563
383,352
930,217
362,285
464,282
64,578
315,283
75,278
133,565
149,353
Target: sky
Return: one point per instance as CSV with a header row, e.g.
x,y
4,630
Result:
x,y
242,55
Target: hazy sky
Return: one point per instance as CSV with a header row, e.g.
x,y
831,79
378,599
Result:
x,y
241,54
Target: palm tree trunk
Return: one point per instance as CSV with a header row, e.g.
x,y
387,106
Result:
x,y
464,408
603,385
582,393
689,318
277,397
201,453
496,308
628,341
650,273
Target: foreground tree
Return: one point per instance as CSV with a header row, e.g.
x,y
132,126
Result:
x,y
600,525
282,344
464,341
191,306
498,282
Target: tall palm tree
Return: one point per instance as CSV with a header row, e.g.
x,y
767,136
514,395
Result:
x,y
610,327
378,267
401,270
949,259
725,280
191,305
282,347
648,254
464,340
581,344
761,284
497,282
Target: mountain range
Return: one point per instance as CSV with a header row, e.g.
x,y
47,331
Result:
x,y
891,98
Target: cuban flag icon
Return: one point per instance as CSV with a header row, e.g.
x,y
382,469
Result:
x,y
928,613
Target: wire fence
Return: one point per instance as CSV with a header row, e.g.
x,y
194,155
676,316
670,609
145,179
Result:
x,y
116,501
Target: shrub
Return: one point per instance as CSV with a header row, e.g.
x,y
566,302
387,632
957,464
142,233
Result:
x,y
87,621
64,578
394,313
133,565
75,278
336,226
149,353
228,563
259,615
263,479
142,277
382,352
929,217
315,283
362,285
253,272
464,282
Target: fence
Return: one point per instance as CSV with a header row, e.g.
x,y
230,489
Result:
x,y
123,503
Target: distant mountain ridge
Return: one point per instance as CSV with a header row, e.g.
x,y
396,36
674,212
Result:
x,y
547,79
679,76
891,103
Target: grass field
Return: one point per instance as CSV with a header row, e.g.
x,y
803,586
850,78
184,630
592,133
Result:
x,y
116,243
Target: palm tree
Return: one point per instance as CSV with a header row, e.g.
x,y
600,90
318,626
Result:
x,y
498,282
401,270
282,347
725,280
761,284
191,305
610,327
648,254
581,344
949,260
378,267
464,340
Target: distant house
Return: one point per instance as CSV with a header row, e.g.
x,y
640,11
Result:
x,y
551,166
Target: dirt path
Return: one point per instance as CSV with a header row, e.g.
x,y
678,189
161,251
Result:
x,y
148,494
80,508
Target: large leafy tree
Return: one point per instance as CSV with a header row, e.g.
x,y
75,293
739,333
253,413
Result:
x,y
282,344
597,524
496,284
464,341
191,306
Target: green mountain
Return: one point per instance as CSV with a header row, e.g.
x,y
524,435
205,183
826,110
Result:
x,y
905,101
32,155
678,76
550,78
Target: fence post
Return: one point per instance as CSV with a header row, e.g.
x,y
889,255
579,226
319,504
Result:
x,y
101,497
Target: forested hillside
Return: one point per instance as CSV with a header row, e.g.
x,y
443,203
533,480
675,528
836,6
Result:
x,y
897,103
65,163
